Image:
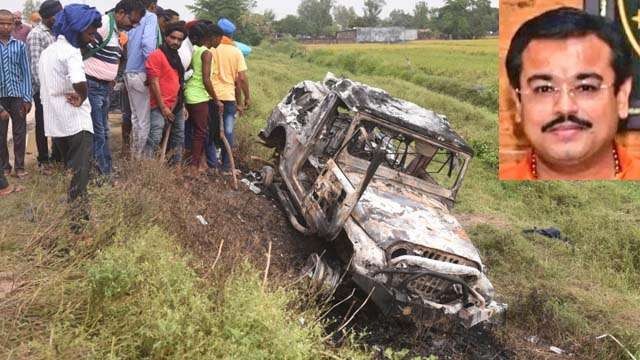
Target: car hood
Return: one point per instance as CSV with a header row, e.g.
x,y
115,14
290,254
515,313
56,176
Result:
x,y
390,213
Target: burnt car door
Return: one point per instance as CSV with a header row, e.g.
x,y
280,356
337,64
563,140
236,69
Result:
x,y
334,195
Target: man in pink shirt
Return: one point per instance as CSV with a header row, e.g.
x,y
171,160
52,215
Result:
x,y
166,79
20,30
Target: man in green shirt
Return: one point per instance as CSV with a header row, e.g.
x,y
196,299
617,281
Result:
x,y
198,90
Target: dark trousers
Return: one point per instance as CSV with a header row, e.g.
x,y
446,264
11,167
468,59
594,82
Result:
x,y
41,140
199,119
3,180
13,106
210,145
76,154
126,120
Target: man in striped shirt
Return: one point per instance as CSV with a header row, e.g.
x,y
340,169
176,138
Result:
x,y
101,67
15,93
39,39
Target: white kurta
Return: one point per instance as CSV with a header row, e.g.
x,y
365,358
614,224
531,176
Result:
x,y
60,67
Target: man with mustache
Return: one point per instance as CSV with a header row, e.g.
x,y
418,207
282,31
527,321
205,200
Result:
x,y
570,74
166,79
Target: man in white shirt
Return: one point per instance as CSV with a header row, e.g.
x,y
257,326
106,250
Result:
x,y
63,89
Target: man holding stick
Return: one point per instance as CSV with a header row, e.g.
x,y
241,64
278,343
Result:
x,y
166,79
230,83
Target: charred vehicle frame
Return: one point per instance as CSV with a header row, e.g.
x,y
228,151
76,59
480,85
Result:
x,y
377,177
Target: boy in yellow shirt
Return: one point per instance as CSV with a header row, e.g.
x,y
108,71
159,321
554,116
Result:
x,y
230,84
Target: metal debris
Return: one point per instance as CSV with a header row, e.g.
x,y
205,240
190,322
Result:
x,y
533,339
202,220
256,190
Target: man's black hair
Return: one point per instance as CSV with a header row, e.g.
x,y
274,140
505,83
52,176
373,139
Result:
x,y
175,26
216,31
564,23
148,3
130,6
203,30
169,13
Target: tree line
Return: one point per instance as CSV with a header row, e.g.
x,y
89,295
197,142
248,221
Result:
x,y
456,19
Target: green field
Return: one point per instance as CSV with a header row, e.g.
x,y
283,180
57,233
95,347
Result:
x,y
463,69
136,287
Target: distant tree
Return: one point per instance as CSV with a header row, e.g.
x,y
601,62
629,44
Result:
x,y
215,9
252,28
344,17
483,19
454,19
422,15
372,10
494,24
398,17
269,16
29,7
317,15
291,25
465,19
331,30
359,21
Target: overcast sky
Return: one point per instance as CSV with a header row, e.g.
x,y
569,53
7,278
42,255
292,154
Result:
x,y
281,8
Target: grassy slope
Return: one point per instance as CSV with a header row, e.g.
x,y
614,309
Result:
x,y
568,293
128,287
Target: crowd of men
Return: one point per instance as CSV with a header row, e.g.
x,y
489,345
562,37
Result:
x,y
180,81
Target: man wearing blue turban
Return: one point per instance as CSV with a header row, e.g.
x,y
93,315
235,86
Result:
x,y
73,20
63,90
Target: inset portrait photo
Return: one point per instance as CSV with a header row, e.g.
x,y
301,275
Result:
x,y
568,83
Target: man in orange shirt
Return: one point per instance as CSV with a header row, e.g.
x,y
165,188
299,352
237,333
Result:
x,y
230,84
570,74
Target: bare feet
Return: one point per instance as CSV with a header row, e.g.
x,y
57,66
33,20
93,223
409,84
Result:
x,y
11,189
20,173
46,170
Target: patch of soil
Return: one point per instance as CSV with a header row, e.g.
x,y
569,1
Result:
x,y
468,220
7,284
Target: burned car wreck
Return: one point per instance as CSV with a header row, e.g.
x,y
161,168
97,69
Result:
x,y
376,177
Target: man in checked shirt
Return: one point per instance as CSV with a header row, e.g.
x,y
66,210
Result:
x,y
39,39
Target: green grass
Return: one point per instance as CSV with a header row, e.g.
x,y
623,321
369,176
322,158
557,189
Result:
x,y
466,70
129,287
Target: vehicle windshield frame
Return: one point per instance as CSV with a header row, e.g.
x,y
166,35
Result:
x,y
345,158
